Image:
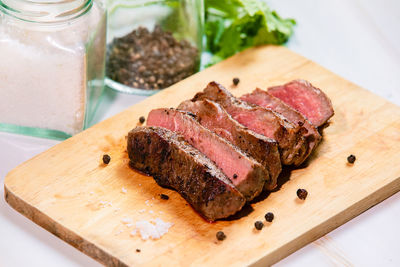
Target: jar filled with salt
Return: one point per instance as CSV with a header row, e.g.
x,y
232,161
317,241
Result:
x,y
52,61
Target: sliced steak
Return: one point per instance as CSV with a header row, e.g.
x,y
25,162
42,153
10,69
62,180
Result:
x,y
214,117
307,99
264,99
245,173
175,164
289,136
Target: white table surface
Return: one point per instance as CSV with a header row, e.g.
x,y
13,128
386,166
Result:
x,y
359,40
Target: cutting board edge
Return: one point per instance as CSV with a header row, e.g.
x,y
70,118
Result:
x,y
100,255
329,225
60,231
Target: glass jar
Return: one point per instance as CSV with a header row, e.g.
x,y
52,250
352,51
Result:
x,y
152,44
52,64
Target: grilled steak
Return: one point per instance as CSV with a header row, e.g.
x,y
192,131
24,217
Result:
x,y
307,99
176,164
289,136
245,173
265,150
264,99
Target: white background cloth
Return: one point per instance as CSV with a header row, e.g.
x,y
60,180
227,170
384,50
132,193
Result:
x,y
357,39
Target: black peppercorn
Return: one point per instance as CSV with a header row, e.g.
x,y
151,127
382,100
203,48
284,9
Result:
x,y
137,250
141,119
163,196
150,59
234,176
269,217
302,193
259,225
220,235
106,159
351,159
235,81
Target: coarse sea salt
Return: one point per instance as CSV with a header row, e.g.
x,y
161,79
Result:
x,y
105,203
124,190
133,233
56,77
153,229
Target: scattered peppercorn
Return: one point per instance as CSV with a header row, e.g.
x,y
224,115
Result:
x,y
259,225
234,176
150,60
220,235
141,119
137,250
106,159
302,193
269,217
351,159
235,81
163,196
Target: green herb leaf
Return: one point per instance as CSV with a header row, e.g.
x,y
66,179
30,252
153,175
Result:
x,y
234,25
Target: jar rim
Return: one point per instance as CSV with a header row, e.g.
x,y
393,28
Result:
x,y
46,12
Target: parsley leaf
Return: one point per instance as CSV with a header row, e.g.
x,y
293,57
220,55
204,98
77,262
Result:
x,y
234,25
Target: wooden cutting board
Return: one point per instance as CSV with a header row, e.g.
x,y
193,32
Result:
x,y
69,192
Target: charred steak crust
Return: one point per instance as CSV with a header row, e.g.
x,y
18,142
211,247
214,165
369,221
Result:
x,y
264,99
292,144
175,164
245,173
309,100
214,117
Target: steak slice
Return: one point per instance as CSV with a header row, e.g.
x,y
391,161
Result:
x,y
214,117
305,98
175,164
289,136
245,173
264,99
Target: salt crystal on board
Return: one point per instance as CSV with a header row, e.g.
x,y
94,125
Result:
x,y
153,229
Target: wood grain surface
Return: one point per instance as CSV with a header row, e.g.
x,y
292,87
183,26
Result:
x,y
71,193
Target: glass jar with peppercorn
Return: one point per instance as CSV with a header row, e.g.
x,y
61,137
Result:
x,y
152,44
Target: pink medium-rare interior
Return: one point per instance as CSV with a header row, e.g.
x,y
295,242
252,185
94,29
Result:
x,y
220,124
230,161
307,100
257,97
256,120
213,117
266,100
